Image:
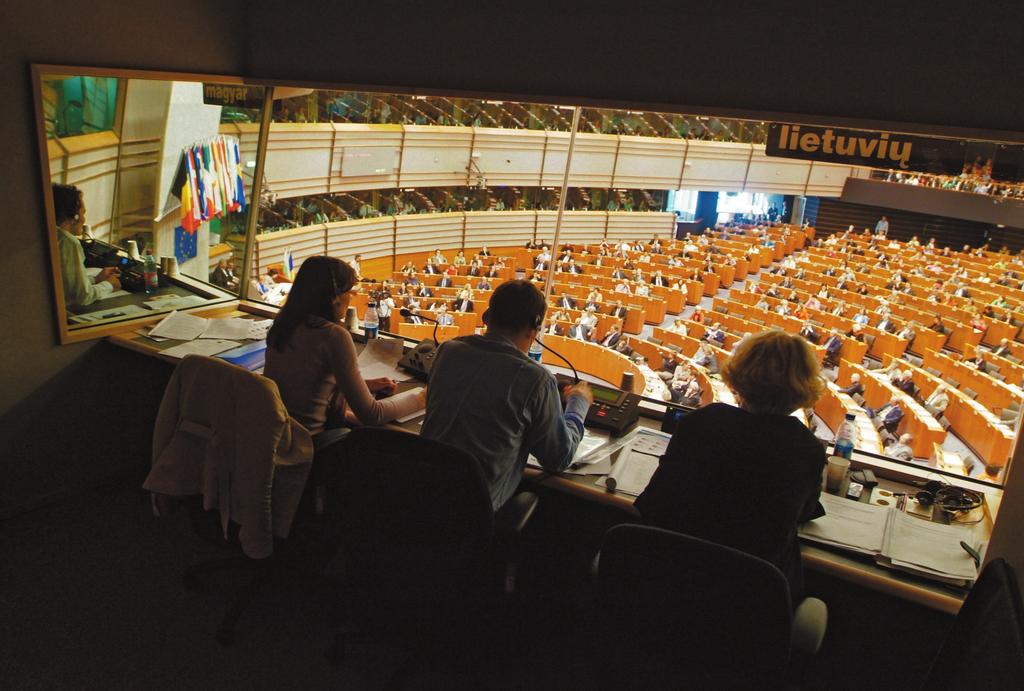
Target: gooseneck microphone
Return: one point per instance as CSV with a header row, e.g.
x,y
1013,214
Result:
x,y
575,374
406,312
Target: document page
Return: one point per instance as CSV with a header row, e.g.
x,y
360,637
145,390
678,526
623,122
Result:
x,y
178,325
380,358
408,394
205,346
592,441
234,328
631,473
927,546
848,524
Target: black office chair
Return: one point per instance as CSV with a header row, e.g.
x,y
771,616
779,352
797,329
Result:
x,y
985,647
684,612
418,538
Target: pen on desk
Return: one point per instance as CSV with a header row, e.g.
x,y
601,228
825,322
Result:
x,y
112,314
973,552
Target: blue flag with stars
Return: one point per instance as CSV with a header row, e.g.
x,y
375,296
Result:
x,y
184,244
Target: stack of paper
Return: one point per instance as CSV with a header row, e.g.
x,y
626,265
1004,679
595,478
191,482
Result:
x,y
380,359
928,549
214,335
897,540
637,462
589,458
848,524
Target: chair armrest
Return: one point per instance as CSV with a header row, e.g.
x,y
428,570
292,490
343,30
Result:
x,y
809,623
511,518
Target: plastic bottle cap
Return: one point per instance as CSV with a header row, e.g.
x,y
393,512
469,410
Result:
x,y
851,416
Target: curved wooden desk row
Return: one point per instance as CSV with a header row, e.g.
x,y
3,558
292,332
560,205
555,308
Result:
x,y
672,301
1012,371
635,307
925,339
604,321
758,320
652,308
420,332
992,393
996,330
833,407
712,280
457,281
878,391
655,354
726,272
595,360
969,420
882,342
688,344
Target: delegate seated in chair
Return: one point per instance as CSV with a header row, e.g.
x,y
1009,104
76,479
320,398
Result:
x,y
766,451
888,416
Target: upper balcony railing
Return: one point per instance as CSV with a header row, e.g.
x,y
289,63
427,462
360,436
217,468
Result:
x,y
401,109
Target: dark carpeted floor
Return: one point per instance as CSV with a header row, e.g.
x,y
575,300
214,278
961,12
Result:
x,y
92,599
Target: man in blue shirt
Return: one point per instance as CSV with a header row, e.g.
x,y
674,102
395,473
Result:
x,y
491,400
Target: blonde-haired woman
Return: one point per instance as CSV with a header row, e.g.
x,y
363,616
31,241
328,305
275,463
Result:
x,y
746,475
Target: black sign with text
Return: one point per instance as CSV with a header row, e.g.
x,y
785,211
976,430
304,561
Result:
x,y
236,95
901,152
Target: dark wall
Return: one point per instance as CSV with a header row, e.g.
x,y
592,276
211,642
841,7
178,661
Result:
x,y
63,408
873,59
834,215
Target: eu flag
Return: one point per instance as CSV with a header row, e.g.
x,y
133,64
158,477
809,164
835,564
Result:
x,y
184,244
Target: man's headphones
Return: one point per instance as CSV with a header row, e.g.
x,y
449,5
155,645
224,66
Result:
x,y
948,498
536,324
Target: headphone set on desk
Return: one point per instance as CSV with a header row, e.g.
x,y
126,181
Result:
x,y
949,498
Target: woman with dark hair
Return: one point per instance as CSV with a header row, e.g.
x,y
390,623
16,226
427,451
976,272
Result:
x,y
79,288
312,358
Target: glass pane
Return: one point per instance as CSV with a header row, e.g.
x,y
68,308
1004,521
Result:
x,y
151,183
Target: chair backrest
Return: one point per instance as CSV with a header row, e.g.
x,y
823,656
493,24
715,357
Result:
x,y
969,392
985,647
415,522
687,612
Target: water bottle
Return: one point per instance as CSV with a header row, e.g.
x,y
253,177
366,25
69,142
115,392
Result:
x,y
371,322
846,437
536,351
149,275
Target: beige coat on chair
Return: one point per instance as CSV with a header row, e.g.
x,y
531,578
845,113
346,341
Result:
x,y
223,432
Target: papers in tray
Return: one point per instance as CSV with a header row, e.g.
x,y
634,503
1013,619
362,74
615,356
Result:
x,y
897,540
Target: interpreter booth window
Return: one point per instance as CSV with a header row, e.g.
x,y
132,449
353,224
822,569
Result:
x,y
148,183
433,200
662,240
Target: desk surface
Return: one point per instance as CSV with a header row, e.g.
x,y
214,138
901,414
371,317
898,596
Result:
x,y
840,565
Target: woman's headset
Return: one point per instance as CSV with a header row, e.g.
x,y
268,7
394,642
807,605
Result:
x,y
948,498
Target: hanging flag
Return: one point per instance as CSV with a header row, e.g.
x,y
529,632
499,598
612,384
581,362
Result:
x,y
210,181
288,264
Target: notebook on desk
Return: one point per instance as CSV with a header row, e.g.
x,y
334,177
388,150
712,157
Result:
x,y
895,539
251,356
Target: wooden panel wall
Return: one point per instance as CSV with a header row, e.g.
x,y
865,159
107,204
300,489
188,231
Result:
x,y
305,159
